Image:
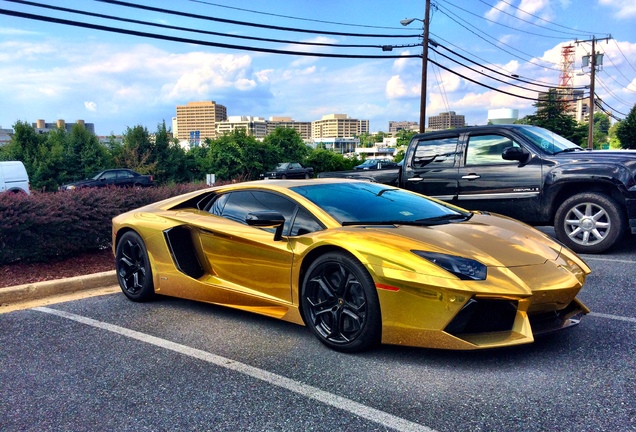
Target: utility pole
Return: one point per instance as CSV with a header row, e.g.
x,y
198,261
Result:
x,y
590,130
424,66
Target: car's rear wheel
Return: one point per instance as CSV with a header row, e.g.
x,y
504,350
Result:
x,y
340,304
133,267
589,222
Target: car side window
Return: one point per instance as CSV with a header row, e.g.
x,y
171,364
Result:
x,y
435,152
237,205
305,223
487,149
109,175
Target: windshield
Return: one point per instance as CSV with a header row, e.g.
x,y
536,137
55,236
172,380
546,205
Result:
x,y
374,203
549,142
282,166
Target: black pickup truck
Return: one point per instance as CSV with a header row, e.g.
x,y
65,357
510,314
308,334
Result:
x,y
530,174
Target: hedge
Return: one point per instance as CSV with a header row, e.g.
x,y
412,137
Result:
x,y
46,226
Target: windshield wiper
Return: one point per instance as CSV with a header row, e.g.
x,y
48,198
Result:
x,y
435,220
570,149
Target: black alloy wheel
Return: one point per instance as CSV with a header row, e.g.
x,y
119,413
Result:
x,y
133,268
340,303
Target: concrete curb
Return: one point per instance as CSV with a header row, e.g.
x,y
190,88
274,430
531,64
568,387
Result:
x,y
38,290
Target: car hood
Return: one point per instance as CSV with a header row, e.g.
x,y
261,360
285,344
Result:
x,y
79,183
493,240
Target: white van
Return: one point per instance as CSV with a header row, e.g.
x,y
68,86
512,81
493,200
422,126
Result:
x,y
13,177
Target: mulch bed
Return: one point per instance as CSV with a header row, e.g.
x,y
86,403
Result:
x,y
89,263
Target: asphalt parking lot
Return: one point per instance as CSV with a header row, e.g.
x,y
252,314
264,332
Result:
x,y
105,363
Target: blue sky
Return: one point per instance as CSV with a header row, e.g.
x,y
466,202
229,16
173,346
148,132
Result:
x,y
52,71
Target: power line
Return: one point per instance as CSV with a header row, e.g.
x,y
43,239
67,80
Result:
x,y
578,31
295,18
193,41
516,28
624,56
165,26
243,23
499,48
507,74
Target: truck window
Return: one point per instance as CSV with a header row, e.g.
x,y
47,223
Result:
x,y
487,149
440,152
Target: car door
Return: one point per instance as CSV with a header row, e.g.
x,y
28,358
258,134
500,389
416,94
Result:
x,y
488,182
430,166
124,178
248,258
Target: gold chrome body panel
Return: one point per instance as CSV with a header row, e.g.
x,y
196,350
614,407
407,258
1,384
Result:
x,y
245,268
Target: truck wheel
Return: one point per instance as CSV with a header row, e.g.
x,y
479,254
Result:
x,y
589,222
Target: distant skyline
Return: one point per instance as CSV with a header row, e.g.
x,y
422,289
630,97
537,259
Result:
x,y
52,71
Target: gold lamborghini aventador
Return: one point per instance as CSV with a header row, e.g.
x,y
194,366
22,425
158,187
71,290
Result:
x,y
359,263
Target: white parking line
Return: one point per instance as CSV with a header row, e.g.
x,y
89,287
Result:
x,y
609,259
372,414
614,317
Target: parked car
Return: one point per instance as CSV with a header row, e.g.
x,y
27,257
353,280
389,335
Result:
x,y
373,164
13,177
120,177
289,170
527,173
359,263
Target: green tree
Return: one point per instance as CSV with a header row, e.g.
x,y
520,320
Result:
x,y
287,145
626,130
326,160
136,152
404,137
552,115
236,156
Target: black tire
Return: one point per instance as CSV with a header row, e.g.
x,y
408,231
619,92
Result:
x,y
340,304
133,268
284,177
307,175
589,223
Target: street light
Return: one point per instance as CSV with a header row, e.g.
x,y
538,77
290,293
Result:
x,y
425,21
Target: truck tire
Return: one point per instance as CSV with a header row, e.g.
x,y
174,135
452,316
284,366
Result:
x,y
589,222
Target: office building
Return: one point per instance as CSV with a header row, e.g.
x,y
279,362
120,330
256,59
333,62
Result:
x,y
338,126
42,126
446,120
197,121
303,128
396,126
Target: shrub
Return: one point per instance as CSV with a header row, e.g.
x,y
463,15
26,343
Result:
x,y
45,226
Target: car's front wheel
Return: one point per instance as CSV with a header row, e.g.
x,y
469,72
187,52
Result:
x,y
133,267
589,222
340,304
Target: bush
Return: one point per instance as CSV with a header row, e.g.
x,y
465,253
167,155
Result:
x,y
45,226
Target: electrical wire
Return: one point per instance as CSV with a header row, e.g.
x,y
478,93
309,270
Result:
x,y
440,83
293,17
243,23
515,28
624,56
192,41
618,70
578,31
495,45
170,27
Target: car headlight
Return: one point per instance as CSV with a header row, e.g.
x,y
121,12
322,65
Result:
x,y
463,268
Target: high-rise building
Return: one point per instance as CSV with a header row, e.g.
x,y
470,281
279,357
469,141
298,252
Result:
x,y
396,126
446,120
42,126
303,128
338,126
197,120
255,126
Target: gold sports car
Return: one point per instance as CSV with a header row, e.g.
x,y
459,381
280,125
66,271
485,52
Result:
x,y
359,263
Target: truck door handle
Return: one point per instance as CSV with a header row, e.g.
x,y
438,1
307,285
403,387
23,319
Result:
x,y
414,179
471,177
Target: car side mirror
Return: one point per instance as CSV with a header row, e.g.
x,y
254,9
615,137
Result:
x,y
515,154
267,219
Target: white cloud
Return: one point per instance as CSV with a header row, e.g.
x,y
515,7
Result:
x,y
625,9
91,106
